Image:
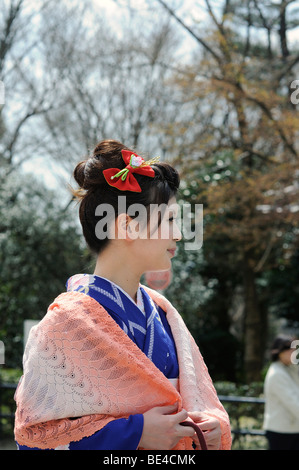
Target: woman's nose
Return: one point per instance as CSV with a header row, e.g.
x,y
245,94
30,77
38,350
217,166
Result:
x,y
177,234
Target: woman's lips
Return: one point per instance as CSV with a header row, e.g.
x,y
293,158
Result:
x,y
172,251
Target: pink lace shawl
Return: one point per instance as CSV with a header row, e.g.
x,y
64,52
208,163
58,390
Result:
x,y
82,371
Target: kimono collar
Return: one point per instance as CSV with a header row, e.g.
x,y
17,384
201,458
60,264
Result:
x,y
109,294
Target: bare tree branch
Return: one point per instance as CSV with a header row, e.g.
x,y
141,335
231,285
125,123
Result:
x,y
190,31
8,35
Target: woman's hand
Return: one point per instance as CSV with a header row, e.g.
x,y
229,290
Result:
x,y
162,430
210,427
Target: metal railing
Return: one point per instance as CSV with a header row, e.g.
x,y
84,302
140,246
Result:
x,y
6,404
237,430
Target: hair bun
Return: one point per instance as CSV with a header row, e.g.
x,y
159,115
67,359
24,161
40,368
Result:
x,y
79,173
89,173
107,154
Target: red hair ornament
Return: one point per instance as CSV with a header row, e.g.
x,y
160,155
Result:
x,y
124,180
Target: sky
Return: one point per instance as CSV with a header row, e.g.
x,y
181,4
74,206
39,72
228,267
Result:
x,y
116,12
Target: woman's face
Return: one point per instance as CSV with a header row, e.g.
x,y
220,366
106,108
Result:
x,y
156,245
286,356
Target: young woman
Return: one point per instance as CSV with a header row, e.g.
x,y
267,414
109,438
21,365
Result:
x,y
281,420
112,365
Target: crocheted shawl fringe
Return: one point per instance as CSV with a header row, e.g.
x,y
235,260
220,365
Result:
x,y
82,371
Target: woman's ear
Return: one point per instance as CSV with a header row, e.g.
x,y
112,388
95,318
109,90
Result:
x,y
126,228
121,224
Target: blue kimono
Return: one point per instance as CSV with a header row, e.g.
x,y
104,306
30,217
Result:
x,y
145,323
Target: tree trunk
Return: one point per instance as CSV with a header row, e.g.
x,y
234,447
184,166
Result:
x,y
253,345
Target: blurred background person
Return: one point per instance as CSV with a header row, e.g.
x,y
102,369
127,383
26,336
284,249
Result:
x,y
281,388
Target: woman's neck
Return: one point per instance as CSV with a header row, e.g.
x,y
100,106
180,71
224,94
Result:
x,y
117,270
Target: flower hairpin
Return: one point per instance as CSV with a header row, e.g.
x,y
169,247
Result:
x,y
124,179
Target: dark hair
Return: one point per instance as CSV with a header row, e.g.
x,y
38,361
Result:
x,y
94,190
281,343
